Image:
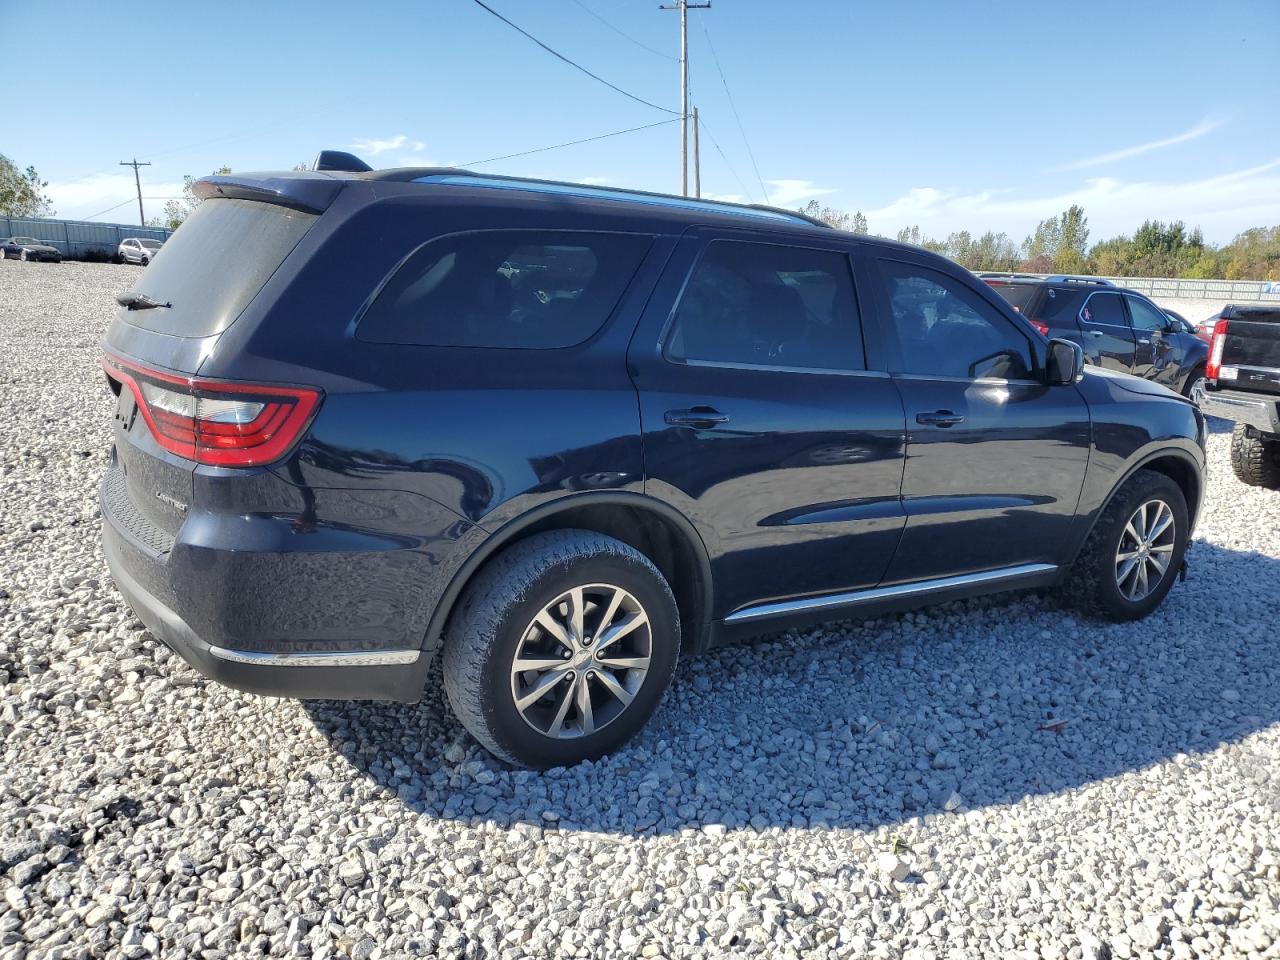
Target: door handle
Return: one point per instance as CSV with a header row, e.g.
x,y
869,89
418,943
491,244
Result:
x,y
699,418
1144,339
1093,333
939,418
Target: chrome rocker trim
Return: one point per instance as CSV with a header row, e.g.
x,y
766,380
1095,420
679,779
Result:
x,y
856,597
324,658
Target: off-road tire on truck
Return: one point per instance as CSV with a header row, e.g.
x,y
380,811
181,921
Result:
x,y
1255,459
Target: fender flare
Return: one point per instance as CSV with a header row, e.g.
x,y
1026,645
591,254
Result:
x,y
512,529
1160,454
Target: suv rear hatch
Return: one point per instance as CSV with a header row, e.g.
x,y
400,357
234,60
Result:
x,y
1246,349
167,419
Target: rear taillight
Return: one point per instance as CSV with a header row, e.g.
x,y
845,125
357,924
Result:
x,y
1039,325
217,422
1214,365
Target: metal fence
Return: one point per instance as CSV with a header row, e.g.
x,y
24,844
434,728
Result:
x,y
1266,291
1237,291
79,239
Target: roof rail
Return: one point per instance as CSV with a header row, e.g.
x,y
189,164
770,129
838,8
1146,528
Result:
x,y
1065,278
340,161
999,275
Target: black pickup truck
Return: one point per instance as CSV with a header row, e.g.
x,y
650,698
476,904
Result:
x,y
1243,384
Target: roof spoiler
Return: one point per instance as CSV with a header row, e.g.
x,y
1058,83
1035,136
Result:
x,y
309,192
339,161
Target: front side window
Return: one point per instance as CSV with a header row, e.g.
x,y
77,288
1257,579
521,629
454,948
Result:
x,y
947,330
768,305
505,288
1145,316
1104,308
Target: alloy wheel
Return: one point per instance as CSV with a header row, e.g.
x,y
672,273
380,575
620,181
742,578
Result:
x,y
581,661
1195,393
1145,550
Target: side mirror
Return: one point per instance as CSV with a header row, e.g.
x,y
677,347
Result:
x,y
1064,363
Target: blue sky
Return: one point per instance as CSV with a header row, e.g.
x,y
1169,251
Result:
x,y
947,115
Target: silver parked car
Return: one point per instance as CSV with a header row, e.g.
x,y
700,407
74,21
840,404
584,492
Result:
x,y
138,250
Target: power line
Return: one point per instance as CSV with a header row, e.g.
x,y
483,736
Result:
x,y
716,143
575,65
108,210
625,36
734,108
570,143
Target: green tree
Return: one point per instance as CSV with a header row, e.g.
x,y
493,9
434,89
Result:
x,y
840,219
22,191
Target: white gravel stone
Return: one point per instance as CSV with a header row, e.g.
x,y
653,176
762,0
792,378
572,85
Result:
x,y
147,812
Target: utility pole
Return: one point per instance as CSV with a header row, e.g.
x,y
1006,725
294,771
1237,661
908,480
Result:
x,y
697,163
684,6
135,163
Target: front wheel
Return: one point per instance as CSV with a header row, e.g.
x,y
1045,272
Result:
x,y
22,255
1194,389
1135,550
561,648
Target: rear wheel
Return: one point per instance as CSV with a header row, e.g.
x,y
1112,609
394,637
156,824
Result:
x,y
1255,459
1135,551
561,648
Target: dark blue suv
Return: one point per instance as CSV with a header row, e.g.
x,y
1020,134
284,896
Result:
x,y
550,437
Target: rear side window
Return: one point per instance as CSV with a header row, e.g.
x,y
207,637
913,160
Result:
x,y
505,288
769,305
216,263
1104,308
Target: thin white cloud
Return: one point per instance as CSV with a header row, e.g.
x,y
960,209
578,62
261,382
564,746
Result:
x,y
726,197
89,196
788,193
1222,204
374,147
1205,126
596,181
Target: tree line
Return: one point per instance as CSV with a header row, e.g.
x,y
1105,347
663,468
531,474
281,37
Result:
x,y
1061,245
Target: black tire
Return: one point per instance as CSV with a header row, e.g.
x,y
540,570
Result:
x,y
1189,388
1091,584
486,629
144,261
1255,459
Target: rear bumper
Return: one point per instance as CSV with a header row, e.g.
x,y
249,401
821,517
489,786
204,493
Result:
x,y
340,675
1257,411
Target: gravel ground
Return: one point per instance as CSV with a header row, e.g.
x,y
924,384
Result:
x,y
992,778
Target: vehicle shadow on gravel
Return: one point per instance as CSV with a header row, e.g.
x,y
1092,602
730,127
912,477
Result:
x,y
862,724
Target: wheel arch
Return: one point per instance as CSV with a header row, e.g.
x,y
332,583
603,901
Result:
x,y
656,529
1178,465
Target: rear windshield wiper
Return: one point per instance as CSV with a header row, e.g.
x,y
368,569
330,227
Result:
x,y
140,301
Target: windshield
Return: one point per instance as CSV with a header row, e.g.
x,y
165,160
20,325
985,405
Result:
x,y
150,244
25,240
215,264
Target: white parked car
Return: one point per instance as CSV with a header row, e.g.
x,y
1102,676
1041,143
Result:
x,y
138,250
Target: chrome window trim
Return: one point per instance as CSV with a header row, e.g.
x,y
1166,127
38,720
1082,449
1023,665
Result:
x,y
854,597
772,368
318,658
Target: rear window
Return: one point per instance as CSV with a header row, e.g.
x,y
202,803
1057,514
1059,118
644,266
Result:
x,y
1018,294
1058,308
215,264
530,289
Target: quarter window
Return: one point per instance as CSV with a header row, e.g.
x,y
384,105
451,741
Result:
x,y
505,288
769,305
1145,317
947,330
1104,308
